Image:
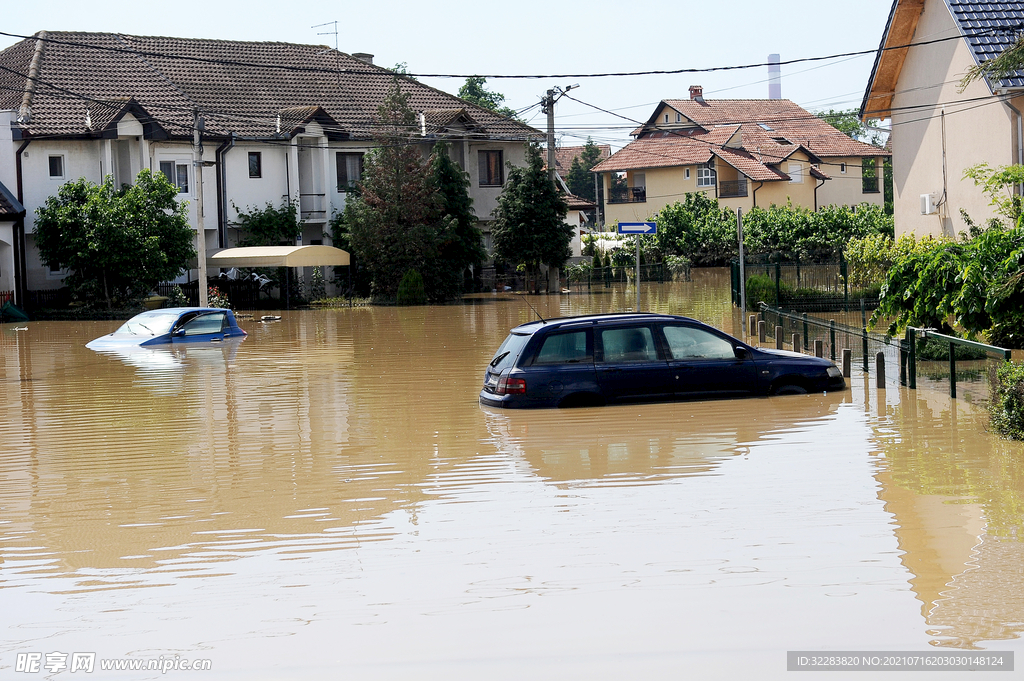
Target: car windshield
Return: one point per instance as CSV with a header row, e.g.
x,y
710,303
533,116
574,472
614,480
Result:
x,y
153,323
508,352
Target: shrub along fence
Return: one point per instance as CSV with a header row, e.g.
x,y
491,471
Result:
x,y
806,287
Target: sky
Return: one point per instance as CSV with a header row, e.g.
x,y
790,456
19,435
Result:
x,y
538,38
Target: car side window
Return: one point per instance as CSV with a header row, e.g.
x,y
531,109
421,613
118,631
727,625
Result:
x,y
632,344
564,348
207,323
685,342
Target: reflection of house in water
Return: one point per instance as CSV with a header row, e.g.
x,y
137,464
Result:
x,y
956,494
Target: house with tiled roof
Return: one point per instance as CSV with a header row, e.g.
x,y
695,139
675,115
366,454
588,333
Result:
x,y
280,123
939,130
745,153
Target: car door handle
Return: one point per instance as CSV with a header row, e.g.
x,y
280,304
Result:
x,y
610,369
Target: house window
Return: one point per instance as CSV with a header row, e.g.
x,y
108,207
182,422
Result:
x,y
350,170
666,118
796,173
706,176
842,168
679,118
56,167
255,164
176,173
491,169
686,173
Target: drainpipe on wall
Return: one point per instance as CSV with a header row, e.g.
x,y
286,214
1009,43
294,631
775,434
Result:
x,y
759,185
20,269
816,188
1020,139
222,191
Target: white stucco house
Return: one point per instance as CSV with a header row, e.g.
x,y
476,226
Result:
x,y
940,131
280,123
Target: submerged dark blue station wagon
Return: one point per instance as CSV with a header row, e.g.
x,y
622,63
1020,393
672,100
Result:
x,y
598,359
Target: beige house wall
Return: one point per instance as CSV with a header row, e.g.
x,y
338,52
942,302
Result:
x,y
931,151
846,188
666,186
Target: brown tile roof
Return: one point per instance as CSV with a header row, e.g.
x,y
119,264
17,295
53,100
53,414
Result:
x,y
578,202
752,135
10,208
239,87
565,155
786,120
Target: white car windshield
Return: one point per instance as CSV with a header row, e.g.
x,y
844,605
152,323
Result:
x,y
153,323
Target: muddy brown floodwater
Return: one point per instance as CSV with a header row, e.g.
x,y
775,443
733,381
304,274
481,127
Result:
x,y
327,499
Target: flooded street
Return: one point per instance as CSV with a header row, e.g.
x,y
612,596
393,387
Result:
x,y
327,499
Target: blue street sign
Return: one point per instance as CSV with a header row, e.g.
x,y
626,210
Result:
x,y
638,228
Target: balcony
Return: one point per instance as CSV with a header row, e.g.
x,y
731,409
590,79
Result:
x,y
628,195
869,185
313,207
728,190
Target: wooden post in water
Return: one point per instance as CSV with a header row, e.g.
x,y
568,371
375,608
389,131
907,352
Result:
x,y
761,331
880,370
819,348
847,362
796,343
778,337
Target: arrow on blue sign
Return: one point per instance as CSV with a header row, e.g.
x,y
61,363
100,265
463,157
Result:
x,y
638,228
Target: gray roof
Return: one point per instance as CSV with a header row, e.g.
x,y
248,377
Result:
x,y
86,82
10,207
989,28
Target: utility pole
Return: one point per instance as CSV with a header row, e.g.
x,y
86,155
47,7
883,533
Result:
x,y
549,108
197,140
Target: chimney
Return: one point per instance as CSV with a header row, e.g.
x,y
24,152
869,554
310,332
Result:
x,y
363,56
774,77
697,93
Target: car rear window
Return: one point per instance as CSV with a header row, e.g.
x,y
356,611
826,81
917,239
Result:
x,y
508,352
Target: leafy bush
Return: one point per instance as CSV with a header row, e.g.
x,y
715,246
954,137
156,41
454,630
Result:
x,y
678,266
1007,407
410,289
177,298
579,272
761,289
217,299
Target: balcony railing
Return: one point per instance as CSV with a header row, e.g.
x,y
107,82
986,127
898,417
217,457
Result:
x,y
628,195
313,207
732,189
869,185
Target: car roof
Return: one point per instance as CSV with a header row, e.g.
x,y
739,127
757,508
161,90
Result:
x,y
608,318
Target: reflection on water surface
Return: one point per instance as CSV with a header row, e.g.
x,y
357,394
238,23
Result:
x,y
328,495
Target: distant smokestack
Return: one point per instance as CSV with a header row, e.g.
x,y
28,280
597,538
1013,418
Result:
x,y
774,77
363,56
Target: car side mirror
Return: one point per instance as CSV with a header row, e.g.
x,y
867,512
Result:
x,y
742,353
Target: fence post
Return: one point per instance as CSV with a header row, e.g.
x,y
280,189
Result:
x,y
911,359
778,337
796,343
819,350
843,271
761,331
778,285
752,324
807,336
847,362
952,371
903,361
832,339
880,369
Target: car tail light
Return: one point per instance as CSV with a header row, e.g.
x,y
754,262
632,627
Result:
x,y
511,386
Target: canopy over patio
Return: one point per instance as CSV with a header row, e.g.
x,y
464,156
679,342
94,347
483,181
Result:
x,y
278,256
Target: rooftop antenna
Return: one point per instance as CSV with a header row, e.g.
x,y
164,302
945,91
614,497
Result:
x,y
334,32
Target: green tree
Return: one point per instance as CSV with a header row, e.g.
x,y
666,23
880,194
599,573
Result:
x,y
699,229
392,222
117,243
475,91
463,243
1000,185
529,226
579,178
268,226
847,121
